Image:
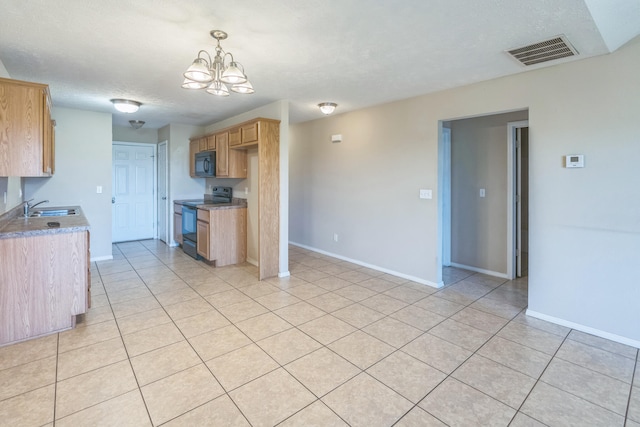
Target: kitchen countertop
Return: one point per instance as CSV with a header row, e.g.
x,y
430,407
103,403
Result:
x,y
236,203
19,226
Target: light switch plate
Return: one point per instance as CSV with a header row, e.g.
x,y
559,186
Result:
x,y
483,192
426,193
99,189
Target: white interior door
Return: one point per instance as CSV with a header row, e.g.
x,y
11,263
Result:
x,y
162,191
133,203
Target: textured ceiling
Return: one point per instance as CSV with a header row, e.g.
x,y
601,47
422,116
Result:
x,y
356,53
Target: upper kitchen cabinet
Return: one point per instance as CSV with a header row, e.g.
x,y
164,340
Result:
x,y
26,129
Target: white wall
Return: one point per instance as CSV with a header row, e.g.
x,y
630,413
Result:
x,y
584,224
83,161
129,134
279,111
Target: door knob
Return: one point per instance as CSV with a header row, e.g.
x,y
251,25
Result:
x,y
113,200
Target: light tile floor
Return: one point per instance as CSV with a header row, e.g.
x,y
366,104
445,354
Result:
x,y
171,341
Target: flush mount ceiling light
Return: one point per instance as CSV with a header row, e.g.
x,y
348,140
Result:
x,y
136,124
327,107
215,74
126,105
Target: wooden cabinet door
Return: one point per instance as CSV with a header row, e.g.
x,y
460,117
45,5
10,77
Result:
x,y
202,144
177,227
222,154
237,163
211,142
234,137
202,230
21,128
250,133
194,148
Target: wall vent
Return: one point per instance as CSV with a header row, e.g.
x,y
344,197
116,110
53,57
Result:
x,y
548,50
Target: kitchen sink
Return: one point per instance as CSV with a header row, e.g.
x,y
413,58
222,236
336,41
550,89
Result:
x,y
53,212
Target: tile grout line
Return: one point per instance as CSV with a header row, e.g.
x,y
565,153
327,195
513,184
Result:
x,y
633,375
539,380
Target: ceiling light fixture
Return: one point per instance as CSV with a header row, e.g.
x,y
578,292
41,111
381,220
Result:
x,y
327,107
215,74
126,105
136,124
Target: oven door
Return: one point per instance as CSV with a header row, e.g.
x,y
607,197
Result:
x,y
189,221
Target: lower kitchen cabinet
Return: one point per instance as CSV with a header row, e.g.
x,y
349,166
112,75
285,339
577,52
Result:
x,y
44,284
202,230
222,235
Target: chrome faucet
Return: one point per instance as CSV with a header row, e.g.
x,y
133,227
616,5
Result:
x,y
27,206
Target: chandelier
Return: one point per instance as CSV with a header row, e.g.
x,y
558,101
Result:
x,y
215,74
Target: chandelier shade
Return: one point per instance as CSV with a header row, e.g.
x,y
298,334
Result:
x,y
198,71
215,74
192,84
245,87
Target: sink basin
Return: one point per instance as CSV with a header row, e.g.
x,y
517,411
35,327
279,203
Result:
x,y
53,212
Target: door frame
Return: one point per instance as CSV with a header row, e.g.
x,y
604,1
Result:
x,y
443,201
155,179
513,160
166,186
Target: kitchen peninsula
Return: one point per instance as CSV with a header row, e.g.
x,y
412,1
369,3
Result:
x,y
44,273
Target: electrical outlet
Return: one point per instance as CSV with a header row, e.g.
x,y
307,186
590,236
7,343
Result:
x,y
483,193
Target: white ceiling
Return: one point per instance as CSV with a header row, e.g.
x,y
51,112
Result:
x,y
356,53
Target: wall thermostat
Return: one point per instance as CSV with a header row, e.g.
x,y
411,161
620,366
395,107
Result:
x,y
574,161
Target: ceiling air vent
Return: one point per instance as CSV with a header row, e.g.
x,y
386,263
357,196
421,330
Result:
x,y
548,50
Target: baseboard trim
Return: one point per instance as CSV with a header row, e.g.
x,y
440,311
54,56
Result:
x,y
102,258
583,328
284,274
480,270
371,266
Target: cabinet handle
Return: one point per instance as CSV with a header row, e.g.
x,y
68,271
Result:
x,y
164,198
113,200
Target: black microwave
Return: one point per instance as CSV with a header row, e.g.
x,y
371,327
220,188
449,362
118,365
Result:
x,y
205,163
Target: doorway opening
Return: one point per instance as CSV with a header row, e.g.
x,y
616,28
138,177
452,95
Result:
x,y
481,175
